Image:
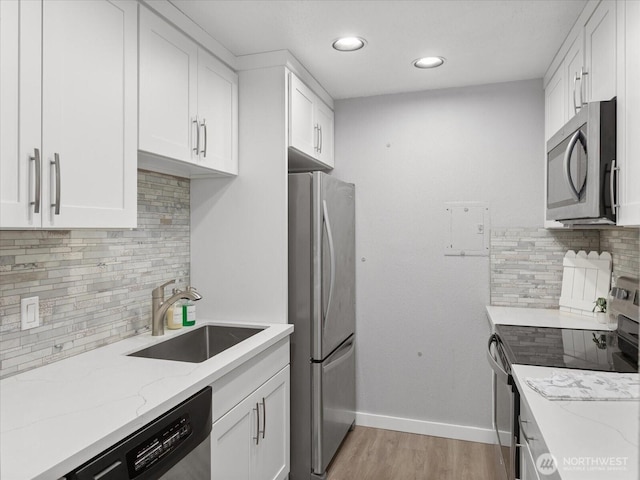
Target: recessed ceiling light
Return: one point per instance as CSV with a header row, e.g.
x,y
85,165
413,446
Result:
x,y
428,62
349,44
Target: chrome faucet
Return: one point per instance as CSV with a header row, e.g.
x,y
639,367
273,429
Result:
x,y
159,305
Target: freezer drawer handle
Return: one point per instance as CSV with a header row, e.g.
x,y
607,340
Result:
x,y
332,255
347,350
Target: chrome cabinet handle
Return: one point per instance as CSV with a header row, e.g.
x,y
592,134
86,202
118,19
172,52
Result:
x,y
257,437
524,434
204,150
36,158
320,141
197,146
578,136
583,72
316,137
613,186
264,417
575,81
56,165
332,257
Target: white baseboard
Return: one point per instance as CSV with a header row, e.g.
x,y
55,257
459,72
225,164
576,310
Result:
x,y
422,427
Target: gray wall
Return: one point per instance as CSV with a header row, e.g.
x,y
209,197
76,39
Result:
x,y
420,321
94,285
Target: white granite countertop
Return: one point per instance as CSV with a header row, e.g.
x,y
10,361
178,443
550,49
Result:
x,y
576,431
584,432
542,317
54,418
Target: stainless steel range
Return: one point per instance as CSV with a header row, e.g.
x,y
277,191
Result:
x,y
602,350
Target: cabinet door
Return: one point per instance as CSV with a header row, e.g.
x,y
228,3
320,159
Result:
x,y
600,49
89,118
217,114
527,464
303,132
232,440
628,114
555,103
573,66
271,461
20,77
168,90
324,118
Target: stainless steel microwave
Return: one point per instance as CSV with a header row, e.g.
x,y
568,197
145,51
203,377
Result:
x,y
581,167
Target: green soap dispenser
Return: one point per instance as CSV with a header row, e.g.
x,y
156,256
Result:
x,y
189,311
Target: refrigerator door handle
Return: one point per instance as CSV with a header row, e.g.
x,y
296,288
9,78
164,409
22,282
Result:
x,y
332,256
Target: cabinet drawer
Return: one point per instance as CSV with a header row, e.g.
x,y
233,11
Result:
x,y
531,437
241,382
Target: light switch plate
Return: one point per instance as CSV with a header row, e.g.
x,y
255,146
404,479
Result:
x,y
30,312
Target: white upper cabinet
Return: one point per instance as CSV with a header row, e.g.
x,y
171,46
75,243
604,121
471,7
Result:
x,y
555,103
587,70
20,116
168,86
324,117
628,113
599,61
574,71
310,129
600,53
302,126
218,114
188,103
73,161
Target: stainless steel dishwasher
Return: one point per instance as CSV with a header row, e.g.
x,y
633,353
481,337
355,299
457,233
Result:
x,y
174,446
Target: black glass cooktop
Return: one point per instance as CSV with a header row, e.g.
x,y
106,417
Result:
x,y
564,348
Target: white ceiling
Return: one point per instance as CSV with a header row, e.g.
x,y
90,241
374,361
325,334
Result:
x,y
484,41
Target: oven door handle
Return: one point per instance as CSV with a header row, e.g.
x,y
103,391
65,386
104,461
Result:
x,y
495,366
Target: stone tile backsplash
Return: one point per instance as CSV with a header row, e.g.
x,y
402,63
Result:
x,y
624,245
94,286
526,263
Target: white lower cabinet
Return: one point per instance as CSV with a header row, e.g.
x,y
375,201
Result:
x,y
250,434
251,441
527,465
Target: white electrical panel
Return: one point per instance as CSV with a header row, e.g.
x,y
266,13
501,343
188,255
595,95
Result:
x,y
467,228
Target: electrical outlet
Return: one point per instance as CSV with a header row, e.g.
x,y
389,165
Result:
x,y
30,312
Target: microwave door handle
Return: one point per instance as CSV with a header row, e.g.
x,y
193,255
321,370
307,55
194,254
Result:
x,y
499,371
567,164
613,186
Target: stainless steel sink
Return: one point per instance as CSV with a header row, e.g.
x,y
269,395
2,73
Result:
x,y
197,345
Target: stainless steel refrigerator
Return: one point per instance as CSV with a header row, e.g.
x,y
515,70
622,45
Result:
x,y
322,309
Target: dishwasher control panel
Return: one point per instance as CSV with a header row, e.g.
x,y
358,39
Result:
x,y
145,455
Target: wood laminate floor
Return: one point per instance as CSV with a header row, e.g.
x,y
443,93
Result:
x,y
373,454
